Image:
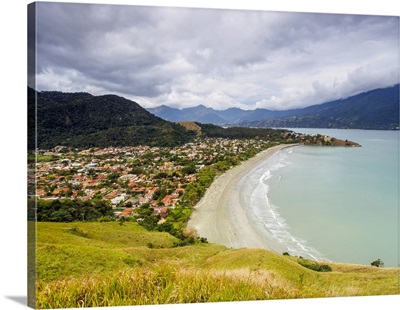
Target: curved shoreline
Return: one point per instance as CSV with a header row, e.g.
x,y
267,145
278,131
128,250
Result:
x,y
219,216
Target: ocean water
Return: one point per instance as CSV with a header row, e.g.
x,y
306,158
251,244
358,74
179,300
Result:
x,y
330,203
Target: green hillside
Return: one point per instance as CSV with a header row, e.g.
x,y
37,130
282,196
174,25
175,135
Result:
x,y
84,120
109,264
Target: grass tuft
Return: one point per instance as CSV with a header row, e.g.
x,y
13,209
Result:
x,y
159,285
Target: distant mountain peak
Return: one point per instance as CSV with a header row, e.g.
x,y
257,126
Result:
x,y
374,109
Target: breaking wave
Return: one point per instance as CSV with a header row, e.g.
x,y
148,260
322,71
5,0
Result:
x,y
265,216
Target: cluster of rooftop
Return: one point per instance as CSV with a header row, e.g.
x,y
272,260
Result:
x,y
129,177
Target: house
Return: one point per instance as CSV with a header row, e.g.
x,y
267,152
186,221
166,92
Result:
x,y
132,184
125,213
111,195
89,182
150,192
118,199
169,200
101,176
91,165
162,211
40,192
143,200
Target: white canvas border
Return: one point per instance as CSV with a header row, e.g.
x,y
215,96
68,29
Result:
x,y
13,150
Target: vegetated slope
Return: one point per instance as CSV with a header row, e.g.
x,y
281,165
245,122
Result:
x,y
214,131
192,126
375,109
267,134
83,120
108,264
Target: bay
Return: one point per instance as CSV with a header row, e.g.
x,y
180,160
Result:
x,y
335,203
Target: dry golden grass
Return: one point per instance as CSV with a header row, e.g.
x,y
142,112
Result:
x,y
192,126
74,272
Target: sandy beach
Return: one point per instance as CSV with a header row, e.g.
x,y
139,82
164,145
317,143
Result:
x,y
220,217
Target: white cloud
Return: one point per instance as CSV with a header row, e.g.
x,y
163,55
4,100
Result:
x,y
219,58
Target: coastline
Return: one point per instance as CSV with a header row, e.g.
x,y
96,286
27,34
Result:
x,y
219,216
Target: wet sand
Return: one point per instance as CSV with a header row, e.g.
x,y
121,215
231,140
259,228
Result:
x,y
219,216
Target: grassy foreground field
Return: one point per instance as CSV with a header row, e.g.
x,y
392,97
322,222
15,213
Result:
x,y
108,264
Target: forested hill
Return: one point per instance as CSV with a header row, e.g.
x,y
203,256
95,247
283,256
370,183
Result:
x,y
375,109
84,120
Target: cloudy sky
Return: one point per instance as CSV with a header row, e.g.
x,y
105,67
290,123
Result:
x,y
218,58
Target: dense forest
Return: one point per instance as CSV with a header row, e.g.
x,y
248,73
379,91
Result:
x,y
67,210
82,120
214,131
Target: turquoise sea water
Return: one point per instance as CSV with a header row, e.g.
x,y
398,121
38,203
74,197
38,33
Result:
x,y
332,203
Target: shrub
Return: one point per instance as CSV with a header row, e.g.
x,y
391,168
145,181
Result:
x,y
106,219
314,265
76,231
190,232
377,263
325,268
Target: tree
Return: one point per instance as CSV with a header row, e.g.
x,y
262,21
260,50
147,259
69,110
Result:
x,y
68,210
377,263
61,216
189,169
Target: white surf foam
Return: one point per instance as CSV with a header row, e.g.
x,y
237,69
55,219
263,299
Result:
x,y
266,217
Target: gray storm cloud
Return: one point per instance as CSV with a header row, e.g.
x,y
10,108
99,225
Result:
x,y
219,58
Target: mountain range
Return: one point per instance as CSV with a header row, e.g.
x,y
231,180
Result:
x,y
84,120
376,109
81,120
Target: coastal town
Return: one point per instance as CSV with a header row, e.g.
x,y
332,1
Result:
x,y
129,177
158,178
